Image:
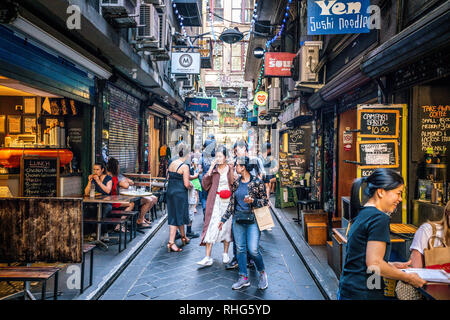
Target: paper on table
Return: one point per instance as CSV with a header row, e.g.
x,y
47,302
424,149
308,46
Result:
x,y
430,275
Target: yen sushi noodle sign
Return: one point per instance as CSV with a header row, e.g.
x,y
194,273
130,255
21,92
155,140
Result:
x,y
338,16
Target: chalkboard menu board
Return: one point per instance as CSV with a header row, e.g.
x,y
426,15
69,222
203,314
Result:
x,y
378,154
39,177
378,123
284,171
296,141
297,165
434,128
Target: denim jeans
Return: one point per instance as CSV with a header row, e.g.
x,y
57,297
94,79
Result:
x,y
246,237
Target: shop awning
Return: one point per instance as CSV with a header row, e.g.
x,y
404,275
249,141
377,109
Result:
x,y
429,33
190,10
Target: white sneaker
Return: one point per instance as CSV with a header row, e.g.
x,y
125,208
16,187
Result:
x,y
206,261
225,258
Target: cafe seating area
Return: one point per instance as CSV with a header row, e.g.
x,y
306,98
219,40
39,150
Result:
x,y
31,277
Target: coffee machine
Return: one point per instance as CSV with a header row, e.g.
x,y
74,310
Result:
x,y
437,174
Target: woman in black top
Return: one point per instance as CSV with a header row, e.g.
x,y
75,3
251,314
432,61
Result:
x,y
368,244
177,198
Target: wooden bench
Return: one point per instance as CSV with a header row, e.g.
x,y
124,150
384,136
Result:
x,y
113,221
317,233
41,274
86,249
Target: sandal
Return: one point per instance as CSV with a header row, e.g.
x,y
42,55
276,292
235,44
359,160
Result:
x,y
118,229
170,245
185,240
144,225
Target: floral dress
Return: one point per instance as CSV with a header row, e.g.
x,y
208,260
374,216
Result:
x,y
213,234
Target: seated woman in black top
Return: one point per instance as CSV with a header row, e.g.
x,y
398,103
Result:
x,y
102,182
368,244
103,185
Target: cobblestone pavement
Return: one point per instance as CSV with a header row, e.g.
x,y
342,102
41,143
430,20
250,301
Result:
x,y
156,274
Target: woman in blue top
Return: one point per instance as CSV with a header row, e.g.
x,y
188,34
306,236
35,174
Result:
x,y
368,244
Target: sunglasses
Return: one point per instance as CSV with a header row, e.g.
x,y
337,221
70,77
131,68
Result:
x,y
262,117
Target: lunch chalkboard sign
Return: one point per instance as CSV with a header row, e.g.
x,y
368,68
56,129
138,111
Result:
x,y
297,165
378,123
39,177
378,154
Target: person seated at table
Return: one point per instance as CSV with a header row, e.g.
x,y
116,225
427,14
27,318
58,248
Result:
x,y
102,183
123,182
440,229
119,181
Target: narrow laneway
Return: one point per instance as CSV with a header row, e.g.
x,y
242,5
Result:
x,y
157,274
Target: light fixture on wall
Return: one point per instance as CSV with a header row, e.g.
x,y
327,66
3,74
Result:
x,y
231,35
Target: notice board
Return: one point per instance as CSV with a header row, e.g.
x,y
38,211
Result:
x,y
39,177
378,123
382,143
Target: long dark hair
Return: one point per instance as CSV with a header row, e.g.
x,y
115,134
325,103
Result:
x,y
386,179
245,161
113,166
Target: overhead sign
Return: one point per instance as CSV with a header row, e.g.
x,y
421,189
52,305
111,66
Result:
x,y
338,17
261,98
185,63
278,64
258,52
198,104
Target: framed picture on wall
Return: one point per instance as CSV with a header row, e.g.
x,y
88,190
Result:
x,y
29,105
29,124
14,124
2,124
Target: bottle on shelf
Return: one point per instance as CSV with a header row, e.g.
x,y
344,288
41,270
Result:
x,y
57,135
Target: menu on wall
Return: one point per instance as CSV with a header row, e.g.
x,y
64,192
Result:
x,y
297,166
378,153
434,128
296,141
378,123
284,170
39,177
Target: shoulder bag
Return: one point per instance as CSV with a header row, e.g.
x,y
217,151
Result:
x,y
437,257
244,217
263,218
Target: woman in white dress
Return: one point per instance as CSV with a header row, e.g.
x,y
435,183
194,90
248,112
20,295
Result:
x,y
217,182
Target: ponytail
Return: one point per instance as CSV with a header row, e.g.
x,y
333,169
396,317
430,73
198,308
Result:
x,y
386,179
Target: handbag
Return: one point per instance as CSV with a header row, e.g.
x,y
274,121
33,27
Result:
x,y
263,218
406,291
437,257
224,194
244,217
197,185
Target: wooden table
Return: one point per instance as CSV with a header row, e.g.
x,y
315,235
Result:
x,y
103,199
436,291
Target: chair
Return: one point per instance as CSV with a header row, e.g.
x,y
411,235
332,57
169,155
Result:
x,y
112,221
87,248
131,218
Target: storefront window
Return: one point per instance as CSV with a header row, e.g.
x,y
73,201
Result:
x,y
218,56
218,11
241,11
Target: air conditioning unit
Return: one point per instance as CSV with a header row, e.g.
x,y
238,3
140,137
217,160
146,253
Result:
x,y
118,7
159,4
308,58
149,24
275,95
189,83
